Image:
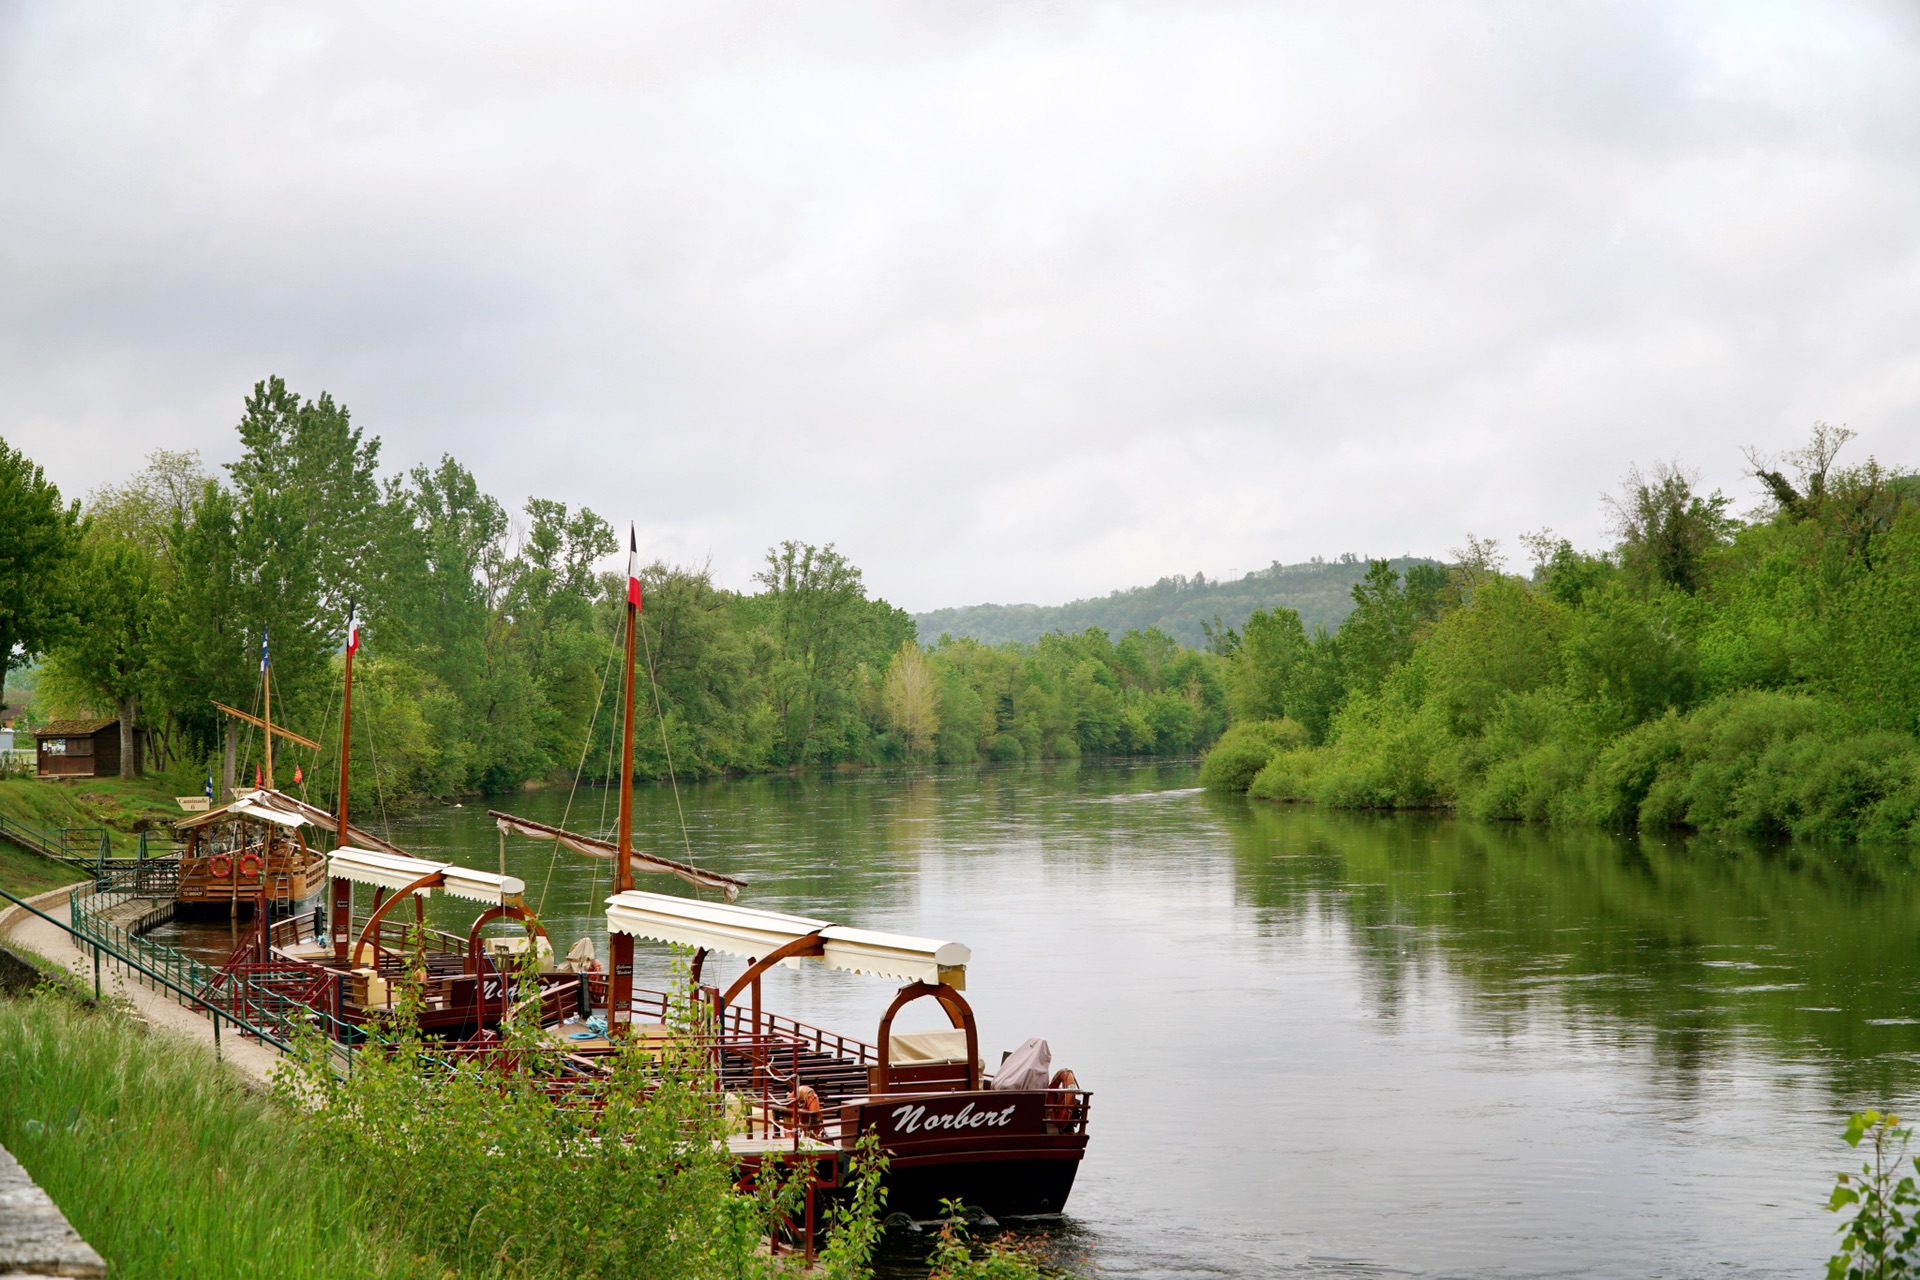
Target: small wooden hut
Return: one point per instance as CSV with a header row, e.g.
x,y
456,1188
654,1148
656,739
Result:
x,y
78,749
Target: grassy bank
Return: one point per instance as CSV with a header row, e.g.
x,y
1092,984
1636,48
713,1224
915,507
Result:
x,y
165,1163
125,807
24,874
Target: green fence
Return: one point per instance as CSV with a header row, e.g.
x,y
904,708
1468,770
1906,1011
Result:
x,y
240,995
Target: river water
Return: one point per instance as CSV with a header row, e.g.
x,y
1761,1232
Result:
x,y
1341,1045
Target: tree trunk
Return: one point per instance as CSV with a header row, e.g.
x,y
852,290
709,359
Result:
x,y
232,748
129,709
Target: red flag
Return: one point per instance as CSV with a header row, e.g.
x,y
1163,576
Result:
x,y
633,579
258,779
353,631
296,775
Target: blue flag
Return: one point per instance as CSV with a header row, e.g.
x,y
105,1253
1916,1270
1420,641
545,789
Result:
x,y
209,784
263,648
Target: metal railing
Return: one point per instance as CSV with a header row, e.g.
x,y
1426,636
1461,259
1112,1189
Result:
x,y
259,1004
103,949
90,849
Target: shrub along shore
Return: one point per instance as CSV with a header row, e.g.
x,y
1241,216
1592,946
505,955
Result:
x,y
1757,676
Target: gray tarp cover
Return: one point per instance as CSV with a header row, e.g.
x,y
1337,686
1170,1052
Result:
x,y
1028,1067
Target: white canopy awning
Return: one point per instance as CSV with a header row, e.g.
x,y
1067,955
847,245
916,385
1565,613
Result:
x,y
745,931
248,808
395,872
248,804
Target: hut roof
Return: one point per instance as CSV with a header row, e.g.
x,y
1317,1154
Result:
x,y
72,728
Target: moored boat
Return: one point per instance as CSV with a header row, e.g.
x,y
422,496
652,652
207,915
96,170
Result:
x,y
1008,1142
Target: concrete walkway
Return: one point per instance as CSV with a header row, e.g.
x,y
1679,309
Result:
x,y
158,1008
36,1240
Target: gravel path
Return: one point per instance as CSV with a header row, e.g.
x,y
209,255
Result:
x,y
157,1008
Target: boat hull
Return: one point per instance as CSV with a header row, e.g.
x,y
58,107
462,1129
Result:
x,y
1012,1154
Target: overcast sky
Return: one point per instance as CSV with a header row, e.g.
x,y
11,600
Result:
x,y
1020,301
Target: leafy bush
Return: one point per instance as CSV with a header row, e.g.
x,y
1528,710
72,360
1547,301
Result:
x,y
1881,1239
168,1163
1244,751
489,1174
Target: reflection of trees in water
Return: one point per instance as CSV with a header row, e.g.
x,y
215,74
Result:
x,y
1693,943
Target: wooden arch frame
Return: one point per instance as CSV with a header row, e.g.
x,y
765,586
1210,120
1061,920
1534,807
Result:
x,y
810,945
371,930
501,912
959,1013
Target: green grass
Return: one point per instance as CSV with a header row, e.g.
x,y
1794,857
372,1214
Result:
x,y
24,874
123,806
166,1163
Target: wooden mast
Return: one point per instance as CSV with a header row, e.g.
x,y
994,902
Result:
x,y
620,945
340,911
266,704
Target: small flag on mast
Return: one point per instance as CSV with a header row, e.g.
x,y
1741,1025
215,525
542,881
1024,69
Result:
x,y
633,577
263,648
209,784
296,775
353,629
259,780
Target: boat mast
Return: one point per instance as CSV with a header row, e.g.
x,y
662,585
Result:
x,y
266,705
620,945
341,896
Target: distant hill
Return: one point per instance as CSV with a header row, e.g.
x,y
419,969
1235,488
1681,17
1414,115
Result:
x,y
1321,591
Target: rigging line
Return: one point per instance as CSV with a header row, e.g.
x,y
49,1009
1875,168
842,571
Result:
x,y
326,723
667,749
586,747
386,828
606,788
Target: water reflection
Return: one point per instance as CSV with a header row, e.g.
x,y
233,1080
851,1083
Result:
x,y
1343,1044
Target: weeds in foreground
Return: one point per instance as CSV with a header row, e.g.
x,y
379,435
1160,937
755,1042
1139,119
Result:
x,y
956,1256
166,1161
497,1166
1880,1240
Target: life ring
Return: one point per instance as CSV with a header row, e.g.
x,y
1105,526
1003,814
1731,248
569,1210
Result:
x,y
249,866
806,1110
1060,1109
219,866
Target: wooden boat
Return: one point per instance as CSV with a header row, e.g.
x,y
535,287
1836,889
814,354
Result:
x,y
354,972
948,1128
246,854
249,854
465,985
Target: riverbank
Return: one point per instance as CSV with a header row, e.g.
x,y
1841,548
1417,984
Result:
x,y
123,807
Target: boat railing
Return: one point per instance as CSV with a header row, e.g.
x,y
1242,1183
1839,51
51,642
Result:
x,y
740,1021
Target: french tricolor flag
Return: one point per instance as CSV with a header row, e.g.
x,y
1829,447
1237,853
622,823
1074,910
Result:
x,y
353,629
633,566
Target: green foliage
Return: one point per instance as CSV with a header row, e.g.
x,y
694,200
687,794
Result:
x,y
37,536
168,1163
1756,679
853,1220
956,1256
484,1172
1245,749
1881,1240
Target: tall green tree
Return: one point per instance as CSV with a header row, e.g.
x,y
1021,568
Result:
x,y
110,648
306,460
38,535
239,569
821,627
1667,531
1264,662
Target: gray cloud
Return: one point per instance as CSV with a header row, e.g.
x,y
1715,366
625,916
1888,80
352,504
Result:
x,y
1010,301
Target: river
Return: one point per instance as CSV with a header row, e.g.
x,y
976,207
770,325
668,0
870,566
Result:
x,y
1341,1045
